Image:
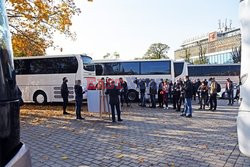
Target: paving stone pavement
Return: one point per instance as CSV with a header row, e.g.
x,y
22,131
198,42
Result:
x,y
146,137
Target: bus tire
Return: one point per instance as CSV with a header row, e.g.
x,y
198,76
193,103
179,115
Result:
x,y
133,95
40,97
223,96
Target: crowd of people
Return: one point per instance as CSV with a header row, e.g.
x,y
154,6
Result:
x,y
183,91
180,94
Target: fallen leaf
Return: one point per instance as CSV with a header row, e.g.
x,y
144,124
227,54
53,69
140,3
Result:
x,y
64,157
141,160
120,156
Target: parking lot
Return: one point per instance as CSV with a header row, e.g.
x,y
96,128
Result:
x,y
146,137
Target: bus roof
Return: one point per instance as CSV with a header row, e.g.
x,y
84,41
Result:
x,y
115,60
51,56
205,65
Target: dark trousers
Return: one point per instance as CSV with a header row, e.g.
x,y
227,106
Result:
x,y
78,108
231,97
199,96
160,98
174,101
194,95
213,101
165,99
179,102
203,101
124,97
113,106
152,97
65,103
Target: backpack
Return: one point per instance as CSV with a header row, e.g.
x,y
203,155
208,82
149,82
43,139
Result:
x,y
218,88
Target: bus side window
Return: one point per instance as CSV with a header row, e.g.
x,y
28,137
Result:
x,y
99,70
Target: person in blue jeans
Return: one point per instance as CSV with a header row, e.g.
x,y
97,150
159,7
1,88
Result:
x,y
79,98
188,92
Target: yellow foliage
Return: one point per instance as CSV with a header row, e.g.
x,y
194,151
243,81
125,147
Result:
x,y
28,44
33,23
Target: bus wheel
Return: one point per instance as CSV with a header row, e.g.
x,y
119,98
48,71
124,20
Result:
x,y
223,96
40,97
133,95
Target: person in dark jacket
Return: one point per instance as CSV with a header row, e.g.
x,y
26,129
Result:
x,y
153,92
124,91
188,92
230,91
203,89
174,93
197,85
180,94
114,92
65,94
142,85
170,89
79,98
160,96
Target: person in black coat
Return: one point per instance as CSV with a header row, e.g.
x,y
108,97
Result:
x,y
153,92
174,93
79,98
124,91
179,94
160,96
65,94
114,92
142,85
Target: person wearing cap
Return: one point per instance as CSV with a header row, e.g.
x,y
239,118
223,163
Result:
x,y
230,91
65,94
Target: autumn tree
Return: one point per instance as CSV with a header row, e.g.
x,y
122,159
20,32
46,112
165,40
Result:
x,y
157,51
34,22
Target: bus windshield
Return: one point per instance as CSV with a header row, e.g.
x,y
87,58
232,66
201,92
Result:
x,y
86,59
178,68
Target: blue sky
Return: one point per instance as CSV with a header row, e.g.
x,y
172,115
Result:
x,y
129,27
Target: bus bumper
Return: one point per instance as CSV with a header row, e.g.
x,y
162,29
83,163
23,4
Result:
x,y
21,159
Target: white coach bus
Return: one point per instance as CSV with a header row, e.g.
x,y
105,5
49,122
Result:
x,y
40,78
140,69
221,72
